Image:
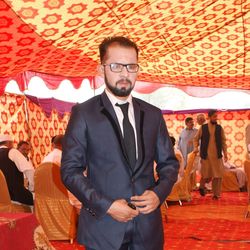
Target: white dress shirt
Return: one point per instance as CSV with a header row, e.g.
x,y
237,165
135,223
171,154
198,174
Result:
x,y
119,113
54,156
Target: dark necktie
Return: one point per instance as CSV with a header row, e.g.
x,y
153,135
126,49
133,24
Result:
x,y
128,135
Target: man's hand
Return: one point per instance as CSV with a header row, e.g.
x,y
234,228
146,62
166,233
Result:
x,y
120,211
147,202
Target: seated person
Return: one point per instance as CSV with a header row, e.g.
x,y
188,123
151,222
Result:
x,y
239,172
24,148
14,165
179,157
55,155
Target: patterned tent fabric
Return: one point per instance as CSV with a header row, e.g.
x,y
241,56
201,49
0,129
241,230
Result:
x,y
24,120
183,42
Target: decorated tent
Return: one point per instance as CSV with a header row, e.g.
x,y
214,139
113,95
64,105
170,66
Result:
x,y
183,42
197,47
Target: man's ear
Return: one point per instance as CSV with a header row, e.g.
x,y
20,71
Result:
x,y
100,70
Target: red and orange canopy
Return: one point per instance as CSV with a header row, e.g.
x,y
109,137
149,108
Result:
x,y
203,43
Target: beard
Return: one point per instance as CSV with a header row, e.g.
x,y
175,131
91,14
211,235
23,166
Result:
x,y
121,92
214,122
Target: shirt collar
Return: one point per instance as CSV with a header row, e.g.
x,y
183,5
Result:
x,y
115,100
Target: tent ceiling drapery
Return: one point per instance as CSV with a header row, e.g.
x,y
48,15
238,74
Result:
x,y
201,43
182,99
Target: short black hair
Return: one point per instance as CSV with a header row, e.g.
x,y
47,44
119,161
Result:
x,y
58,140
120,40
188,119
53,138
212,112
21,143
3,143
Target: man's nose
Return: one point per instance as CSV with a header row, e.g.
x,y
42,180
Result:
x,y
124,71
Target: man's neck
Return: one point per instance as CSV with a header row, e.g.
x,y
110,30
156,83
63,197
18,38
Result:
x,y
119,98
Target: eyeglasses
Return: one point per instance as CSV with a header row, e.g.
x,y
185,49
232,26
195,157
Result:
x,y
118,67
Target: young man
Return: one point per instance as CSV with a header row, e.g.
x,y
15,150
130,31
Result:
x,y
185,143
212,140
117,138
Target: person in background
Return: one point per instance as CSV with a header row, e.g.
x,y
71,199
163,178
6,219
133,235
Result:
x,y
55,155
24,148
212,141
201,119
118,138
185,144
14,165
239,172
179,157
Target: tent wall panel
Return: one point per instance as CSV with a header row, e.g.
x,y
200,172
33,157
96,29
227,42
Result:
x,y
25,120
42,129
13,116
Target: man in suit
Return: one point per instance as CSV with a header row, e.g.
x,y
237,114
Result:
x,y
121,199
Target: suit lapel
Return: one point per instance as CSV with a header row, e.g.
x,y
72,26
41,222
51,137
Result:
x,y
108,110
139,120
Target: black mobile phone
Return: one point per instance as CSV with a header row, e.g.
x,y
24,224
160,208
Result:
x,y
131,205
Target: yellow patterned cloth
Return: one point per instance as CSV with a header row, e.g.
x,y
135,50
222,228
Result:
x,y
52,207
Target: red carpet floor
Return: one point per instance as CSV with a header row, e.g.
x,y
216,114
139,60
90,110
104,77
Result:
x,y
201,224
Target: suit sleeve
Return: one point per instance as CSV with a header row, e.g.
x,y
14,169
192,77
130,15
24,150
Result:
x,y
74,162
167,165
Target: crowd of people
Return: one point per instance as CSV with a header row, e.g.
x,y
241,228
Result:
x,y
209,143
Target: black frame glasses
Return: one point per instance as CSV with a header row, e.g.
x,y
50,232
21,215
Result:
x,y
118,67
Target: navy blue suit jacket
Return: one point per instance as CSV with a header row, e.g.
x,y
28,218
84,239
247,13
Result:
x,y
93,140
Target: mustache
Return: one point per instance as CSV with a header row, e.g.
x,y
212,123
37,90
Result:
x,y
124,81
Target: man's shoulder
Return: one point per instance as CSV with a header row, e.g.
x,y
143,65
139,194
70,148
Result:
x,y
90,103
145,105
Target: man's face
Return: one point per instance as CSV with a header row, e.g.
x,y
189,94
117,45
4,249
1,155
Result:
x,y
25,149
190,124
201,119
119,83
213,118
